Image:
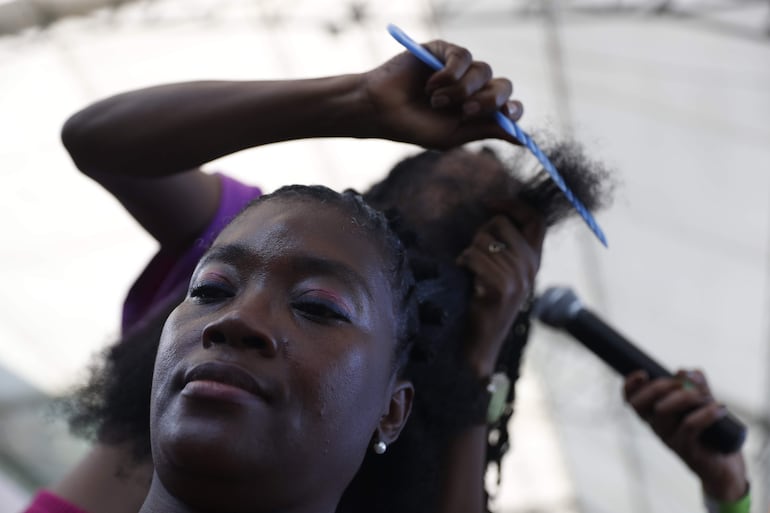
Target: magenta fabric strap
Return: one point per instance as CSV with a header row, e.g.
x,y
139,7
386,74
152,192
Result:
x,y
47,502
169,271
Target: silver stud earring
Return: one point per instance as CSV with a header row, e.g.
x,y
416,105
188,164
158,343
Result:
x,y
380,447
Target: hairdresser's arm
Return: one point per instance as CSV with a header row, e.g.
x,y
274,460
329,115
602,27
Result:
x,y
164,132
502,282
678,410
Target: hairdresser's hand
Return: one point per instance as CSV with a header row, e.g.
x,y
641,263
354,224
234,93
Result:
x,y
443,109
678,410
504,260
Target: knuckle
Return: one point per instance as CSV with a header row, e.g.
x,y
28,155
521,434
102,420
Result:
x,y
460,52
484,69
688,426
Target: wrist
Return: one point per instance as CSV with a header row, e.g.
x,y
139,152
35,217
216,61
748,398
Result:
x,y
481,368
481,354
498,387
337,106
740,505
727,492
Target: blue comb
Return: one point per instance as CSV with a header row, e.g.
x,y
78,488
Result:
x,y
510,127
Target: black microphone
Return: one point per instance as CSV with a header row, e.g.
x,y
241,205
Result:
x,y
559,307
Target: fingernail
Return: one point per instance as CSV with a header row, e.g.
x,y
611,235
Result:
x,y
439,101
471,108
692,376
514,110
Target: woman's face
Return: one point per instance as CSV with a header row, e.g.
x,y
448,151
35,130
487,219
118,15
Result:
x,y
273,374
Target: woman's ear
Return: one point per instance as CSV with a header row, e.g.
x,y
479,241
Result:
x,y
399,407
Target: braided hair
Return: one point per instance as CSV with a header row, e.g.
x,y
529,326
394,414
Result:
x,y
105,409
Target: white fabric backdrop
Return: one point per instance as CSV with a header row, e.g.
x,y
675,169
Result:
x,y
678,110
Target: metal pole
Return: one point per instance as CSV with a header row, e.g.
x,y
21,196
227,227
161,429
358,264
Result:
x,y
561,91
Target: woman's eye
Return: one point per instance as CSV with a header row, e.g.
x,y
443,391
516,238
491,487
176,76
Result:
x,y
207,293
321,310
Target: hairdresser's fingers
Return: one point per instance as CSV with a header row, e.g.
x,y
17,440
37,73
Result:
x,y
535,232
503,262
456,61
494,283
458,93
499,292
486,269
529,234
514,109
492,97
518,252
528,221
512,247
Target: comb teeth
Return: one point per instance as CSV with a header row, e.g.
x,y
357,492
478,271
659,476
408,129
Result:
x,y
513,129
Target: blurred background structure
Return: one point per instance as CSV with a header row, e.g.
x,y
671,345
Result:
x,y
673,94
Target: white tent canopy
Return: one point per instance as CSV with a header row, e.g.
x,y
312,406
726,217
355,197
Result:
x,y
677,104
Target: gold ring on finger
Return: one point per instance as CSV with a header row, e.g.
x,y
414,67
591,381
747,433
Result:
x,y
496,246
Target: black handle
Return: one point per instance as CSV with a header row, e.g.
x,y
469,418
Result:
x,y
725,435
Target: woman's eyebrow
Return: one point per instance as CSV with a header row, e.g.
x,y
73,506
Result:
x,y
315,265
305,263
229,254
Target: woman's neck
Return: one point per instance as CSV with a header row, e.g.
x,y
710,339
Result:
x,y
160,500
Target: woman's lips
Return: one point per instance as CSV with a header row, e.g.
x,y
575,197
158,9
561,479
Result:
x,y
223,381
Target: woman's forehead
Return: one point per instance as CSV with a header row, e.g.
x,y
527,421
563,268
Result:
x,y
276,222
290,227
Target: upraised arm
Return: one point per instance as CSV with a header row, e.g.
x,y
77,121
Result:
x,y
504,259
165,129
678,410
163,132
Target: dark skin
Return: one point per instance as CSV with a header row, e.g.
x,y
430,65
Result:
x,y
113,142
197,122
502,282
678,409
194,123
295,298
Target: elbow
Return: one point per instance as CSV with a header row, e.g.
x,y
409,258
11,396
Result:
x,y
80,137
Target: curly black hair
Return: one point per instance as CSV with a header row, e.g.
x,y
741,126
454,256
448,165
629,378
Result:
x,y
435,201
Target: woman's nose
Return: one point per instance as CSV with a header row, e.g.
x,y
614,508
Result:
x,y
241,327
